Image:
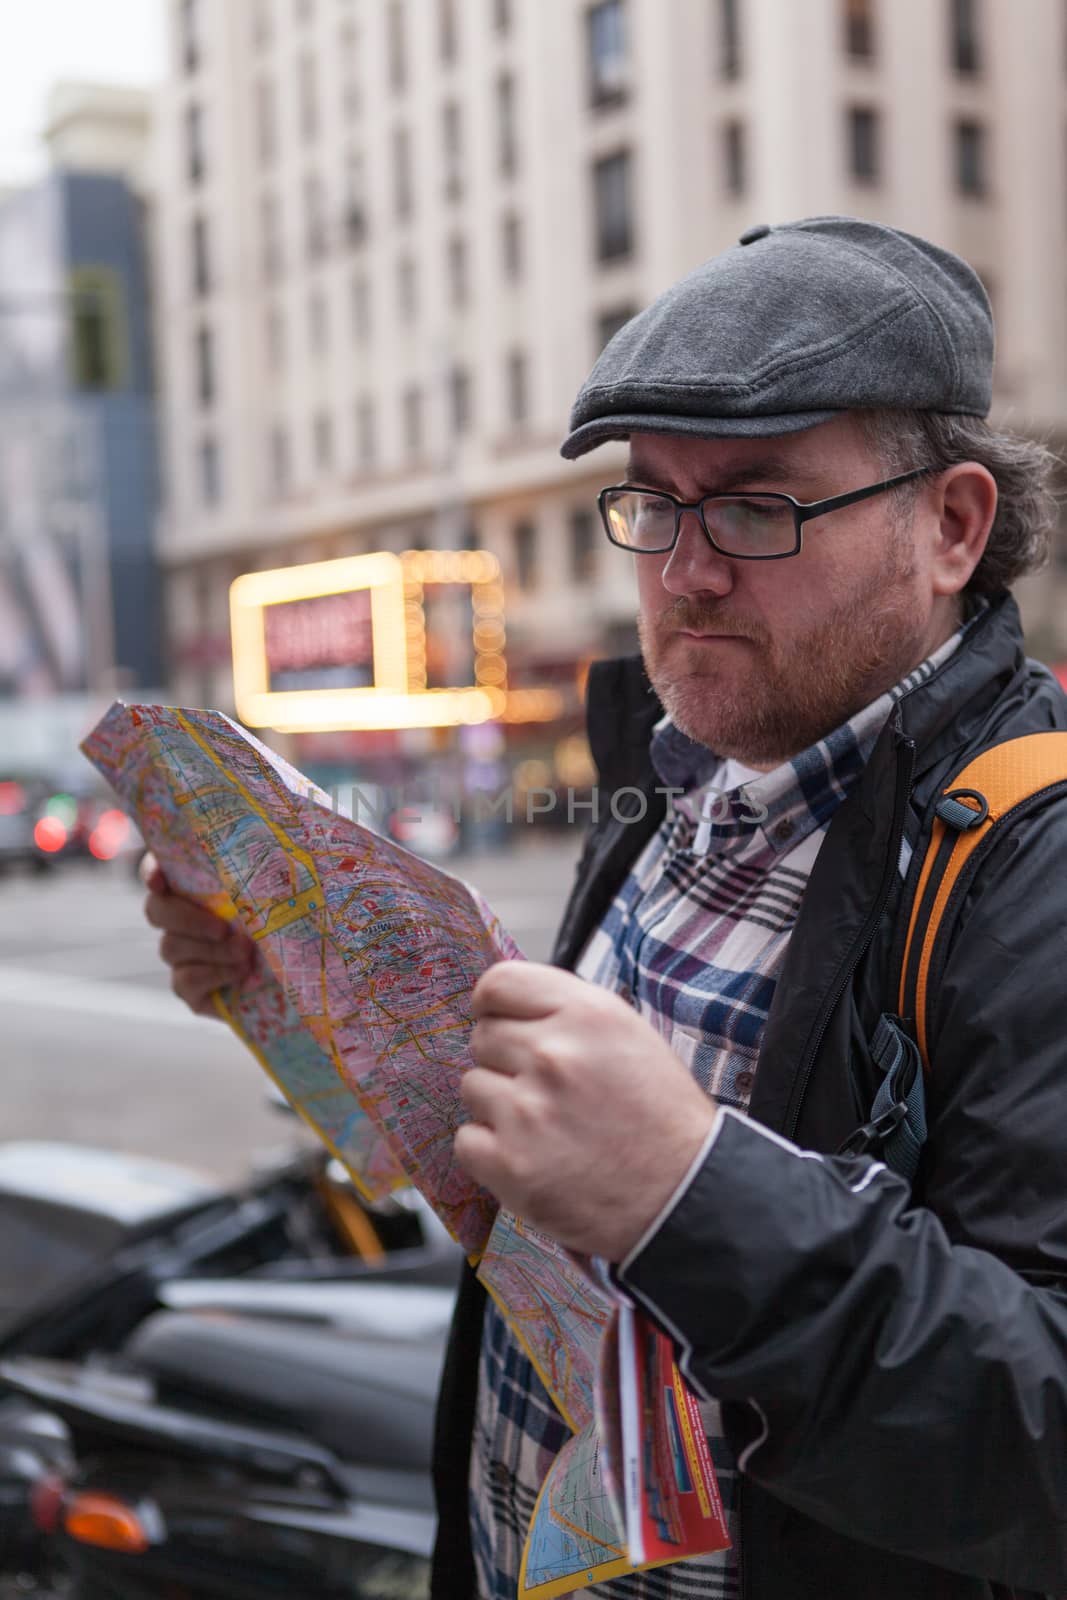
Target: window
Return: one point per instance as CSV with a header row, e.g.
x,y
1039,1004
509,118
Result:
x,y
349,42
97,344
195,163
452,145
458,286
583,545
613,207
308,98
972,176
863,144
189,32
396,46
733,157
270,224
526,554
280,464
403,198
314,217
361,308
322,442
205,367
609,322
507,148
262,29
356,221
318,323
201,257
517,386
459,389
274,339
447,33
965,45
511,245
366,434
266,122
859,29
406,289
210,470
608,63
729,38
411,406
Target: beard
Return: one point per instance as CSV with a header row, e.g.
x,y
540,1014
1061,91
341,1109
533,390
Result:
x,y
771,699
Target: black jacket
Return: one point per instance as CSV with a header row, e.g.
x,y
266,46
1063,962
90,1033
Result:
x,y
896,1359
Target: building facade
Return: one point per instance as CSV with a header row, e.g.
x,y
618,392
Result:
x,y
79,586
394,234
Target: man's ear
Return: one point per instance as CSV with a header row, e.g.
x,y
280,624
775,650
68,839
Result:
x,y
967,504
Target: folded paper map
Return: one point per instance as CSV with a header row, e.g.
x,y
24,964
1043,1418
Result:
x,y
359,1008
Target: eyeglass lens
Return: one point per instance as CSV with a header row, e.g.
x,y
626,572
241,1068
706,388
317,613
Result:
x,y
741,525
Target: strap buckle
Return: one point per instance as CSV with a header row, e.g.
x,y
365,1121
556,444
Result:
x,y
875,1132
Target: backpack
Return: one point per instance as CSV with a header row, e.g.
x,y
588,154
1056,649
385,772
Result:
x,y
981,801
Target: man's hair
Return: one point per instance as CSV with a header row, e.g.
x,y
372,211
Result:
x,y
1027,505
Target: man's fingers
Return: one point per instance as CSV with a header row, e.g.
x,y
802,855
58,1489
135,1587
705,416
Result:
x,y
477,1152
231,958
521,989
485,1095
500,1044
196,986
173,913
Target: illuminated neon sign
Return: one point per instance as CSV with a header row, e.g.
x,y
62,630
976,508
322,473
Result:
x,y
365,617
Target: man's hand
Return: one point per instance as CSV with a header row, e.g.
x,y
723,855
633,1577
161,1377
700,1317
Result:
x,y
203,952
584,1121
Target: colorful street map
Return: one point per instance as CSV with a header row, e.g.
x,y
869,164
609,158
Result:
x,y
359,1008
374,950
555,1309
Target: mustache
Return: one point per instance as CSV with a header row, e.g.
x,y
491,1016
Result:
x,y
686,613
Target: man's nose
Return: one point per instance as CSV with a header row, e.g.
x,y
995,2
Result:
x,y
693,564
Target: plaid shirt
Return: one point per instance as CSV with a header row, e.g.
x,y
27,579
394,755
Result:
x,y
695,940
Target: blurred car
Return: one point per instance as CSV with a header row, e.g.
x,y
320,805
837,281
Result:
x,y
96,829
28,836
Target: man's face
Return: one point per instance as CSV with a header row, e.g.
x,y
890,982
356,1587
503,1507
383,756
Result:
x,y
759,659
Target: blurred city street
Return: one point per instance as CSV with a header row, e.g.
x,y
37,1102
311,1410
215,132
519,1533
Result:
x,y
96,1049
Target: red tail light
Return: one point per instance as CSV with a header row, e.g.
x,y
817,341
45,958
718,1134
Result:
x,y
46,1503
49,835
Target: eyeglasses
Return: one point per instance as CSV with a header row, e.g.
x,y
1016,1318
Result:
x,y
748,527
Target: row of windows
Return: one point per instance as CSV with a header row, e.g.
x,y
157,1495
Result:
x,y
456,262
859,34
864,141
613,220
500,13
459,387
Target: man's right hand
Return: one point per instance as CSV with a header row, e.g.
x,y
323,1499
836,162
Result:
x,y
203,952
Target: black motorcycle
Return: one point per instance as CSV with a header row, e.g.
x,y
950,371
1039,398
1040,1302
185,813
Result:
x,y
265,1440
90,1239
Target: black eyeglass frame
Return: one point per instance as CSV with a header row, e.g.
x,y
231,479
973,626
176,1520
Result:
x,y
803,511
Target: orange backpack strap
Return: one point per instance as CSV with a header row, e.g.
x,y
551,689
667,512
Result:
x,y
985,793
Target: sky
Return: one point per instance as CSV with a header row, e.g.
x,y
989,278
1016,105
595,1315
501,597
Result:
x,y
109,41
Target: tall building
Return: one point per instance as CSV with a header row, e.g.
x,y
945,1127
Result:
x,y
79,591
394,234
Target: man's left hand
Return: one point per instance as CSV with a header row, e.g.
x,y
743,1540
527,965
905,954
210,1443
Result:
x,y
584,1121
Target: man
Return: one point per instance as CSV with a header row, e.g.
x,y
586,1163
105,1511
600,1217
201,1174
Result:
x,y
882,1367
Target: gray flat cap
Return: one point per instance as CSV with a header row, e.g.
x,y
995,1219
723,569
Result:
x,y
790,327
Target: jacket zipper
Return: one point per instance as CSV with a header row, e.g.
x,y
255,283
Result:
x,y
902,789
